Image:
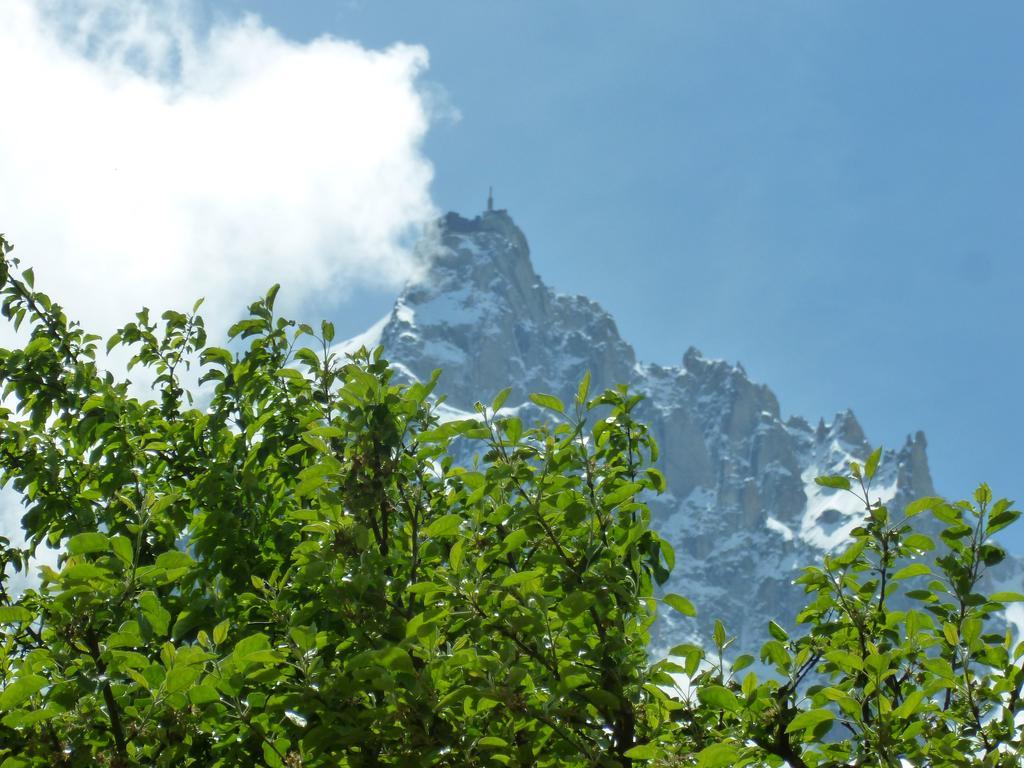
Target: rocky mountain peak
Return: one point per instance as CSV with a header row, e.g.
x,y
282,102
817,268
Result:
x,y
488,252
483,316
742,508
846,428
913,465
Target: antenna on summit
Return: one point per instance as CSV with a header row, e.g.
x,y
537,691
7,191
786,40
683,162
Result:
x,y
490,199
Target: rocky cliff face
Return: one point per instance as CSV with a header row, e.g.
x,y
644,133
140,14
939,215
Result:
x,y
742,509
484,316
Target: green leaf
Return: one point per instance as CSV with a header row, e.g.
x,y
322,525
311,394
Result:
x,y
920,542
777,632
681,604
749,685
450,429
455,555
920,505
972,630
88,542
656,479
548,401
83,572
271,756
248,647
1006,597
397,659
810,719
203,693
38,344
834,481
317,442
847,703
123,550
583,389
872,463
514,541
1000,517
14,614
521,577
718,697
577,601
310,484
851,553
983,494
513,429
174,559
742,662
951,633
623,492
914,569
18,691
910,704
667,553
220,632
492,741
180,678
444,526
643,752
159,618
21,718
845,660
499,399
719,635
717,756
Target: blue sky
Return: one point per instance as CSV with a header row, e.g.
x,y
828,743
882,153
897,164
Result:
x,y
830,193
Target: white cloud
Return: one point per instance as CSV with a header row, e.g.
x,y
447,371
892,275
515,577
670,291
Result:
x,y
143,162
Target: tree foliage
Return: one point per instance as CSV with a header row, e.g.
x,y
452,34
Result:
x,y
299,573
290,566
901,660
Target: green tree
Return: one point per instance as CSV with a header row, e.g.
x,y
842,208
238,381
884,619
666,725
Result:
x,y
903,659
292,566
299,572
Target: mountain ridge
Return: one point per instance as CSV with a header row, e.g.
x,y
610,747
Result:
x,y
741,509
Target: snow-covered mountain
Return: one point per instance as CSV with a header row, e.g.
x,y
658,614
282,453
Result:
x,y
742,508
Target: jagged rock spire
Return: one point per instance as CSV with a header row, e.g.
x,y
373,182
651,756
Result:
x,y
741,505
482,314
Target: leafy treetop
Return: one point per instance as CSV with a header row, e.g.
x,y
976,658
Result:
x,y
301,573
